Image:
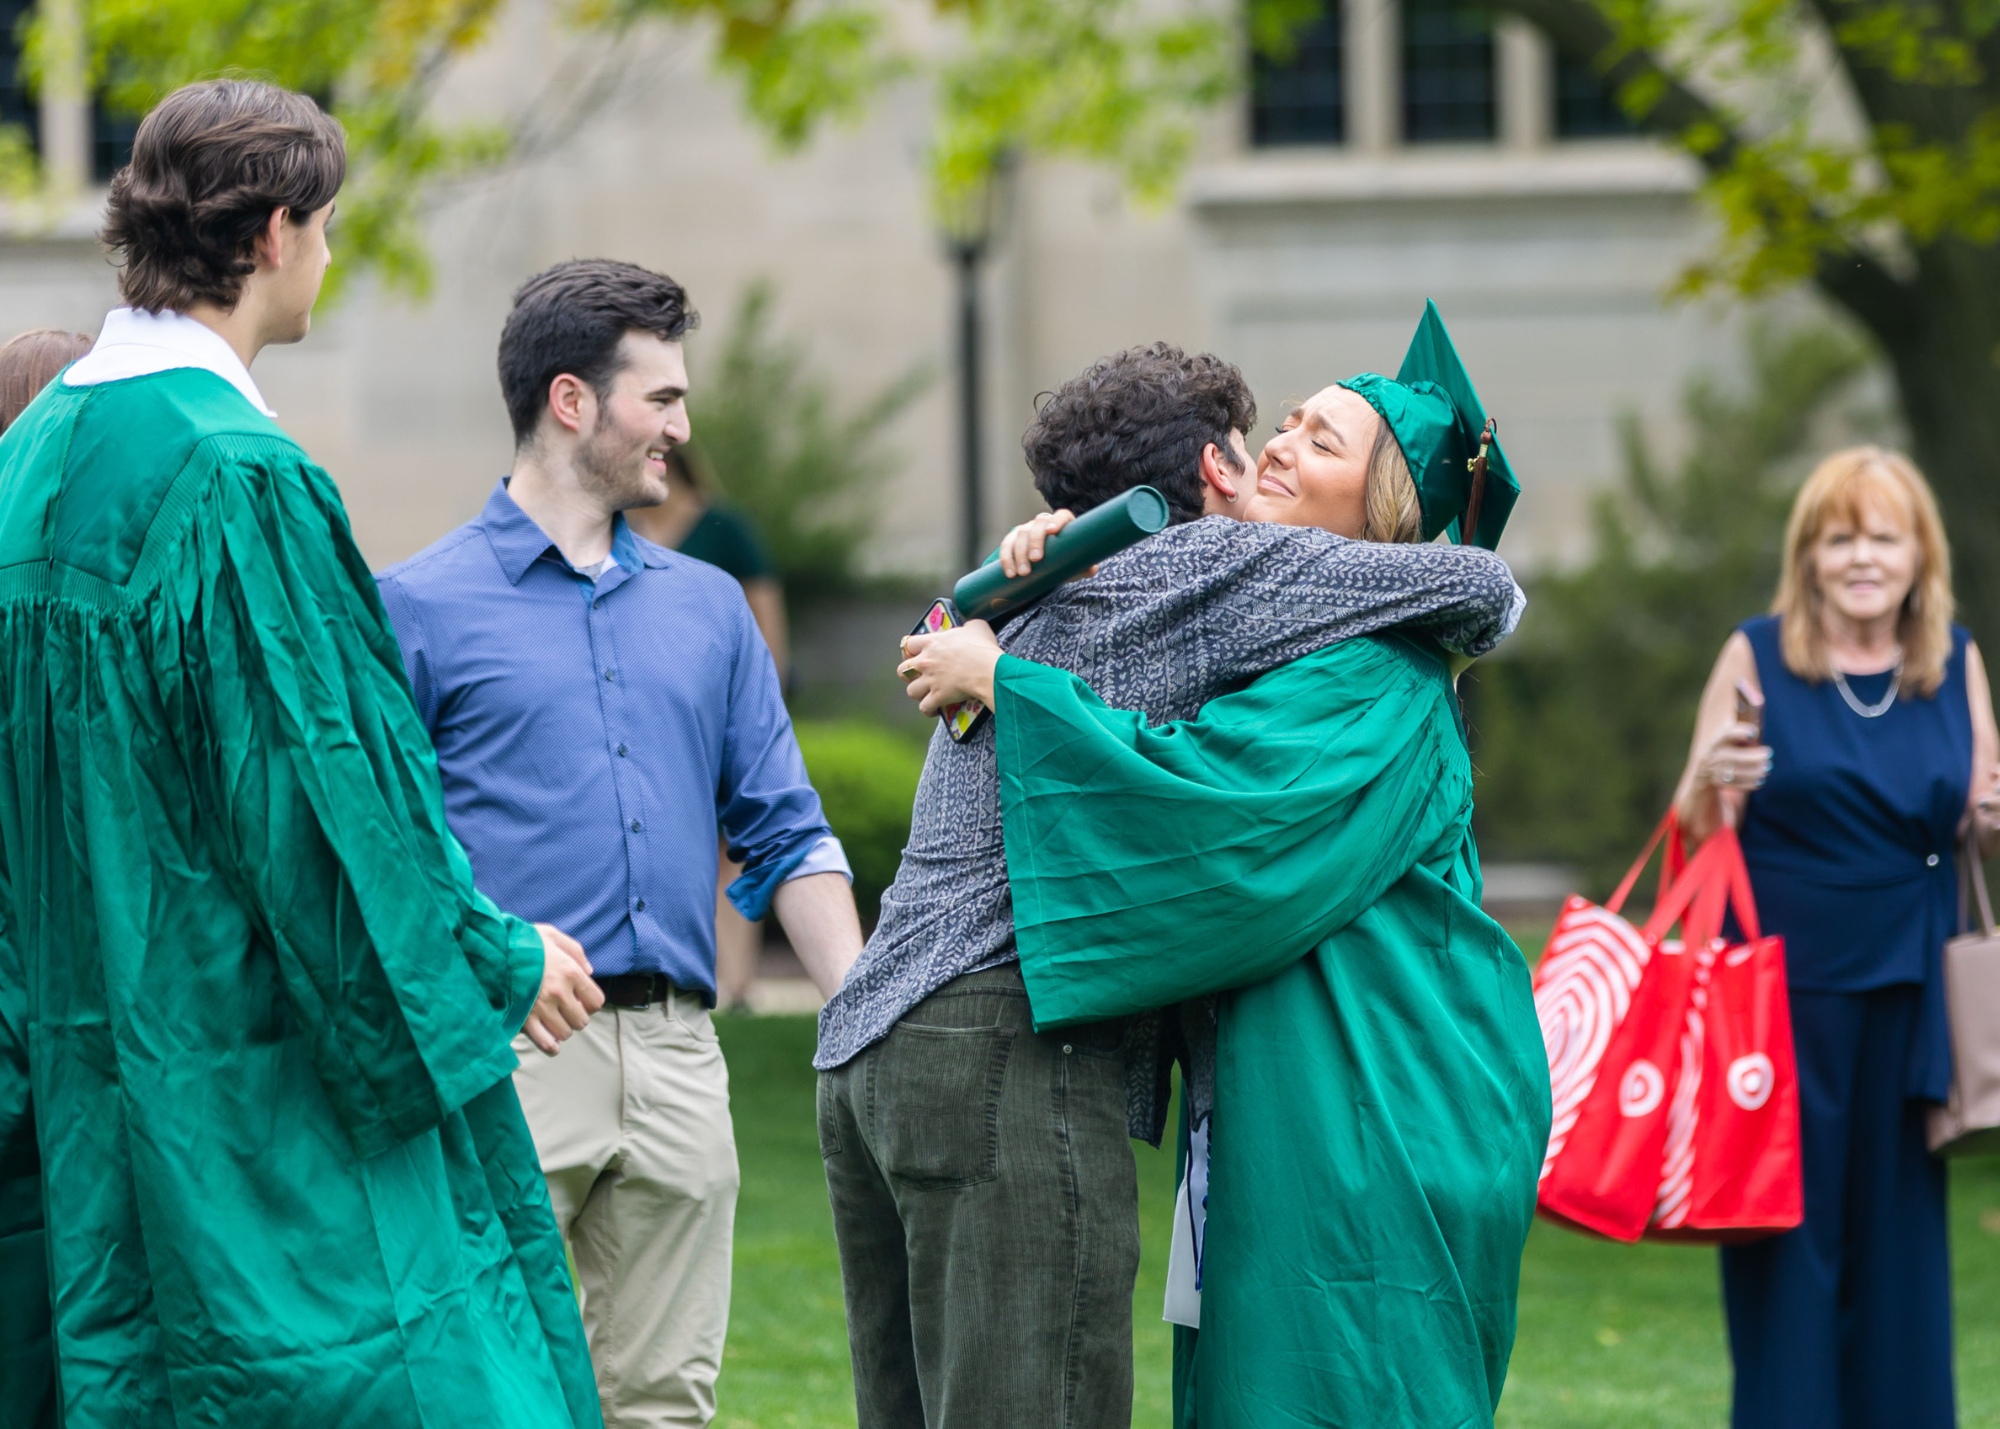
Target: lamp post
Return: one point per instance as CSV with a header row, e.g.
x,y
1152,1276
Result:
x,y
968,236
969,256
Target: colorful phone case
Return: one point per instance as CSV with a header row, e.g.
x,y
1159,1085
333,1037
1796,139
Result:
x,y
964,718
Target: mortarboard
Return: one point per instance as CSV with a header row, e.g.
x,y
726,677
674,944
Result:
x,y
1447,439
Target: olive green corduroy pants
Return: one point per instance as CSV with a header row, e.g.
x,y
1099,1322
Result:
x,y
985,1200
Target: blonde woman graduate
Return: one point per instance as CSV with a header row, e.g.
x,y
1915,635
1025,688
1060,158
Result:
x,y
1296,867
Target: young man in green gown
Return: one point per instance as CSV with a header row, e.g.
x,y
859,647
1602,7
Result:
x,y
1303,847
264,1163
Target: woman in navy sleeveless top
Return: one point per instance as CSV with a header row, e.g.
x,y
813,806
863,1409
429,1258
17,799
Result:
x,y
1878,752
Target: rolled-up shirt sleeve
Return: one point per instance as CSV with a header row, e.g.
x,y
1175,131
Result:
x,y
826,856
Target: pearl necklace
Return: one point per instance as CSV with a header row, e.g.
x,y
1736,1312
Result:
x,y
1881,707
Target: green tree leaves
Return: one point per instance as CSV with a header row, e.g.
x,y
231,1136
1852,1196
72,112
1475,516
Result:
x,y
376,63
1105,80
1118,81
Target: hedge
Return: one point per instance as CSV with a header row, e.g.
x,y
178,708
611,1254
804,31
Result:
x,y
866,775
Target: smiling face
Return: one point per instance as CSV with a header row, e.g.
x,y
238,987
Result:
x,y
622,458
1864,564
1314,472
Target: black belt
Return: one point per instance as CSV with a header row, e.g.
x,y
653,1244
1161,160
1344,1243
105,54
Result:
x,y
635,990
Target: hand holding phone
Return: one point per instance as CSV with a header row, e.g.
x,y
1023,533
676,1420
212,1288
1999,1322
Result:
x,y
1749,707
961,720
1733,761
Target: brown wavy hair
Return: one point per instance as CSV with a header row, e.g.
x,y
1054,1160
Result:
x,y
29,362
1843,488
209,164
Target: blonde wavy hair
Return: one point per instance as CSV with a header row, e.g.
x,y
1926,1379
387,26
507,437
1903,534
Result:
x,y
1389,497
1844,488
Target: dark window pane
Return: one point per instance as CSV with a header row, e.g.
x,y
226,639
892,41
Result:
x,y
1299,100
1584,106
1447,71
17,105
111,134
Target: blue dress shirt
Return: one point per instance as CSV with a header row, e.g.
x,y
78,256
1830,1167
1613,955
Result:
x,y
593,734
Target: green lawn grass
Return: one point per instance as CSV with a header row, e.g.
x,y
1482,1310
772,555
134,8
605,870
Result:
x,y
1610,1335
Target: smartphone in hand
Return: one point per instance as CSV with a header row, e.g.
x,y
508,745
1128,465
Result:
x,y
1750,707
963,719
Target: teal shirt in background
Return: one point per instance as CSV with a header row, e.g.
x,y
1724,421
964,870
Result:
x,y
725,538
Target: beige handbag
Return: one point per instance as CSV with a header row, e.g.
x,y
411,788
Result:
x,y
1969,1124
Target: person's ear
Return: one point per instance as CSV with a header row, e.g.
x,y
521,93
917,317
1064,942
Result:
x,y
571,402
1217,473
270,242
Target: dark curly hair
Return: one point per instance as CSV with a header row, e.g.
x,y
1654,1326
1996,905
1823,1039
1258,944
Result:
x,y
209,164
571,319
1137,417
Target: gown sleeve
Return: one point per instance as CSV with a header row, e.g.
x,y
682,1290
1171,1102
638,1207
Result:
x,y
1153,865
322,796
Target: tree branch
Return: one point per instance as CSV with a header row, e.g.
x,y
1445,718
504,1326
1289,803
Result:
x,y
1584,34
1937,108
1856,281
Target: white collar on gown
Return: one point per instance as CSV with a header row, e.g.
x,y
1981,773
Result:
x,y
134,343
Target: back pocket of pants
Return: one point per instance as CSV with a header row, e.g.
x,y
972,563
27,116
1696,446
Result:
x,y
829,1116
935,1102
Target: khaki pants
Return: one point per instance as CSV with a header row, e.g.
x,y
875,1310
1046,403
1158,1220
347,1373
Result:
x,y
632,1125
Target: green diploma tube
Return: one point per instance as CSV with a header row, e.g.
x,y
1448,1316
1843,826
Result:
x,y
989,593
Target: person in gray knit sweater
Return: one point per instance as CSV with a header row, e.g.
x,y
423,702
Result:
x,y
983,1186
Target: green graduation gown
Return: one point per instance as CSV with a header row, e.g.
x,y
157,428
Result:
x,y
260,1156
1381,1091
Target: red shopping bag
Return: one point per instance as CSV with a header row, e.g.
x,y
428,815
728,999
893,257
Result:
x,y
1676,1096
1733,1172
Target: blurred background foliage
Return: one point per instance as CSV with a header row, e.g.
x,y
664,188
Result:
x,y
1120,82
806,469
375,63
1580,725
1851,145
866,775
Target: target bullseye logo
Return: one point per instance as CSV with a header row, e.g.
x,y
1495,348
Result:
x,y
1641,1090
1750,1080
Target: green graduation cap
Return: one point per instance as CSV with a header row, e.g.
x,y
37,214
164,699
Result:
x,y
1463,480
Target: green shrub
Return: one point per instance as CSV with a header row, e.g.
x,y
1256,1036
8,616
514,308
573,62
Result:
x,y
866,776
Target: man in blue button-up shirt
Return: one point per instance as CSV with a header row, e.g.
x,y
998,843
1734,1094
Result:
x,y
601,706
